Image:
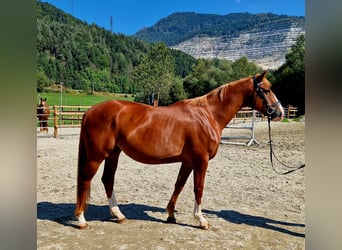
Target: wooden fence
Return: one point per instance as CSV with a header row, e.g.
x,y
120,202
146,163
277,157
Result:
x,y
290,112
71,116
67,117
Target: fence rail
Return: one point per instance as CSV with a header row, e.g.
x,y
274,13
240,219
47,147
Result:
x,y
290,112
68,116
65,116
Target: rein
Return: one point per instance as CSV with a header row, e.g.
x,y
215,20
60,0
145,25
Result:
x,y
272,154
270,110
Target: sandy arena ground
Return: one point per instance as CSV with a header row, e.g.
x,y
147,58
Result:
x,y
248,205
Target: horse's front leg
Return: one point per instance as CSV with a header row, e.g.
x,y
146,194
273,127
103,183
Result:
x,y
199,176
41,128
183,175
46,127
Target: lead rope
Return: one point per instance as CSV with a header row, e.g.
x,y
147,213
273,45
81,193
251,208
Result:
x,y
273,154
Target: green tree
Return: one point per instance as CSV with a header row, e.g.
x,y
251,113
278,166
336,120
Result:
x,y
289,84
209,74
176,91
243,68
197,82
183,63
155,74
82,55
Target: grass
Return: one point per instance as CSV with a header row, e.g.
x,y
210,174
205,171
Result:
x,y
297,119
78,99
82,99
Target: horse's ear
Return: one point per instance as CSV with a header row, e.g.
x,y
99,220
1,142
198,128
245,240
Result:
x,y
262,76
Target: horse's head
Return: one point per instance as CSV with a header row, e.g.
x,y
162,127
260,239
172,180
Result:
x,y
43,102
265,100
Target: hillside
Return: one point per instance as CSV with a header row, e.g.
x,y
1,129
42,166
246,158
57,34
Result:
x,y
262,38
86,57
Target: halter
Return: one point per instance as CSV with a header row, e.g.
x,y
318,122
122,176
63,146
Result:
x,y
270,108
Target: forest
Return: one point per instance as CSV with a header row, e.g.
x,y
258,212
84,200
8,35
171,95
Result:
x,y
85,57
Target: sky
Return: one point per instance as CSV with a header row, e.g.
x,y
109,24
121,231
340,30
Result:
x,y
129,16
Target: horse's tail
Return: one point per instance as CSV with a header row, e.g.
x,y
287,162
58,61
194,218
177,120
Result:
x,y
81,164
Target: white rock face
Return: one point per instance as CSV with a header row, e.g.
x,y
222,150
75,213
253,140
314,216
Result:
x,y
267,47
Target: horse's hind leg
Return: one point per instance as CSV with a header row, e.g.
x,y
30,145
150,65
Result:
x,y
108,176
183,175
85,173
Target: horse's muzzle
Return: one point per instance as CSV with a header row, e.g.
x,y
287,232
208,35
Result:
x,y
275,111
277,115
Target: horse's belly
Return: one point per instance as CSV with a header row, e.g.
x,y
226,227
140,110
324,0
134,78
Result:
x,y
149,153
150,158
151,142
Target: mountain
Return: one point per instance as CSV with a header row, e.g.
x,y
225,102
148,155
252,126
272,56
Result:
x,y
262,38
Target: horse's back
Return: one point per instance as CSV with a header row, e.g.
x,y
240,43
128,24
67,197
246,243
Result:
x,y
109,111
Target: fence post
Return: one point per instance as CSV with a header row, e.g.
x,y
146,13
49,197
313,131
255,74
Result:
x,y
55,126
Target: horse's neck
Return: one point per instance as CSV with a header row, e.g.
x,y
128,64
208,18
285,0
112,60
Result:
x,y
44,108
227,102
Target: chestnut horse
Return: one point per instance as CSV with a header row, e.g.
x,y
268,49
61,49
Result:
x,y
188,131
43,113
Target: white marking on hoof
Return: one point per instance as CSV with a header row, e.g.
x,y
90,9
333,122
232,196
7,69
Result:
x,y
114,209
115,212
123,221
199,216
205,226
82,223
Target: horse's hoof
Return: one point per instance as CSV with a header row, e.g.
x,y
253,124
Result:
x,y
123,221
83,226
171,220
205,226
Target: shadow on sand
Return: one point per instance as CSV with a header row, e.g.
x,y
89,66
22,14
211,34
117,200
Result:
x,y
257,221
62,213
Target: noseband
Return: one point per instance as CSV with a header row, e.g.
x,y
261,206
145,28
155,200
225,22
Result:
x,y
270,108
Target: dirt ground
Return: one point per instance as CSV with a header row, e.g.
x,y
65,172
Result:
x,y
248,205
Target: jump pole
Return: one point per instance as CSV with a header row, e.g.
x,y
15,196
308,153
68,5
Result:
x,y
251,138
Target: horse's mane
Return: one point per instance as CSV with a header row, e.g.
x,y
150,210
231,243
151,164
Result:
x,y
218,93
197,101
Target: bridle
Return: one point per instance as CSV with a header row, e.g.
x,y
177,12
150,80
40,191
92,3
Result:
x,y
271,110
271,113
